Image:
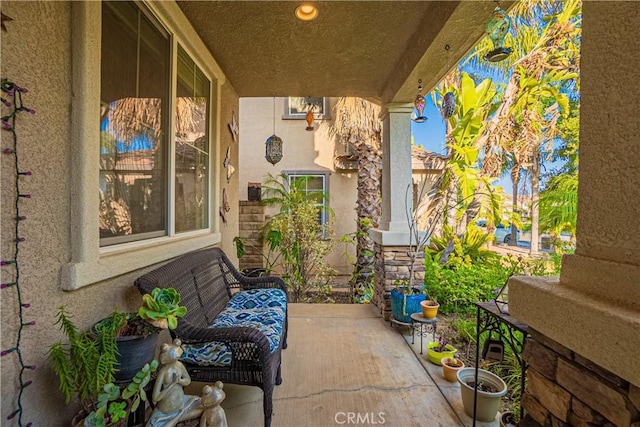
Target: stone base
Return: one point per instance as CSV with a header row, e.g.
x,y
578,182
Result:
x,y
564,388
393,264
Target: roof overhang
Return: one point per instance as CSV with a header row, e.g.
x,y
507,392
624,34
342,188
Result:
x,y
372,49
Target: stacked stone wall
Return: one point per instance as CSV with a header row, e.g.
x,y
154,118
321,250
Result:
x,y
393,264
251,219
565,389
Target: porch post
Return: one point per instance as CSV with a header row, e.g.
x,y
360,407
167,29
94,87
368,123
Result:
x,y
392,238
396,167
598,292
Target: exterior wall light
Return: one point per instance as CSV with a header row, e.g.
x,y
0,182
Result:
x,y
306,12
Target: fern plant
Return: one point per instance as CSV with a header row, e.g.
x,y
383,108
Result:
x,y
86,363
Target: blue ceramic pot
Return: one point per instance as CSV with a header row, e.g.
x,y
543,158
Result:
x,y
412,305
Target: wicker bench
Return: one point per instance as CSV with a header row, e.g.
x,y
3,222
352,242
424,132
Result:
x,y
234,337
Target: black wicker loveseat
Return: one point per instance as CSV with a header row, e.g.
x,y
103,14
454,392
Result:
x,y
234,337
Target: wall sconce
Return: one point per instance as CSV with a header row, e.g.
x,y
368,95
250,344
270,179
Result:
x,y
497,27
309,117
420,103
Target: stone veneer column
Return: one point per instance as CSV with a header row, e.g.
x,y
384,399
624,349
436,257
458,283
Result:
x,y
593,310
393,263
392,239
564,388
251,220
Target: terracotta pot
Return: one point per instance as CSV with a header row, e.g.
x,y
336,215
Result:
x,y
450,372
429,309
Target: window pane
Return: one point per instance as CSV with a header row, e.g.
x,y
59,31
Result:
x,y
192,146
133,122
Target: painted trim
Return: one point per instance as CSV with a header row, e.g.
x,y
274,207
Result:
x,y
89,264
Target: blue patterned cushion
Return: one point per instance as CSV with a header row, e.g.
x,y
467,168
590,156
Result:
x,y
259,298
214,353
262,309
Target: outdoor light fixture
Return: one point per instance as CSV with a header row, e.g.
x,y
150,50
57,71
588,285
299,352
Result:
x,y
306,12
420,103
273,145
497,27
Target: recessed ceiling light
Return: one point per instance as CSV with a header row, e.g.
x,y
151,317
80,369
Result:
x,y
306,12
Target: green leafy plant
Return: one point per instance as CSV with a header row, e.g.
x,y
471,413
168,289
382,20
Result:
x,y
86,363
296,233
115,404
162,308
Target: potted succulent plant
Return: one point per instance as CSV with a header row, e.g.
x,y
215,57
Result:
x,y
438,350
450,368
137,333
116,403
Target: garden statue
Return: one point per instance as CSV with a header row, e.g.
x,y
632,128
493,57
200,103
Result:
x,y
212,397
172,405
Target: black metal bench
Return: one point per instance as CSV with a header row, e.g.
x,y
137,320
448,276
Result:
x,y
205,279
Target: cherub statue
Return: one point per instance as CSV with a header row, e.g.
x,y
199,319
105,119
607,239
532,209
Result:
x,y
212,397
172,405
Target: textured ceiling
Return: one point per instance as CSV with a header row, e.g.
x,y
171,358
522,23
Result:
x,y
372,49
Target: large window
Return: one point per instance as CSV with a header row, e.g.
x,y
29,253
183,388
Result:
x,y
192,146
296,107
137,198
315,186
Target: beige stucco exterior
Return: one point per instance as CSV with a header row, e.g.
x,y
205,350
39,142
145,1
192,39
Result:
x,y
309,151
596,297
37,54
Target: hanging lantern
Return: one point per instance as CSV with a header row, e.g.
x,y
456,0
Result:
x,y
497,27
420,103
273,152
448,105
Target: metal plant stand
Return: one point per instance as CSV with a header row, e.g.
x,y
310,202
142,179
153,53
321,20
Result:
x,y
424,327
490,318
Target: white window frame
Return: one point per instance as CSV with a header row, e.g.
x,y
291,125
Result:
x,y
325,188
89,263
288,115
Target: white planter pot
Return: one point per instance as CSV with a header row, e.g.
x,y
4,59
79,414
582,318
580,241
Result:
x,y
488,403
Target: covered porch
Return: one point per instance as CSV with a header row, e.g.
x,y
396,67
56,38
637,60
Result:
x,y
345,363
340,359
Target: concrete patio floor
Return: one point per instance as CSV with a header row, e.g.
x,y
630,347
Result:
x,y
344,359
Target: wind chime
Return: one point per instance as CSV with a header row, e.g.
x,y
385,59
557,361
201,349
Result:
x,y
448,107
497,28
419,103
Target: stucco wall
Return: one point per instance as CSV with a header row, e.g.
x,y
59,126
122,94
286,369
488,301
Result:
x,y
303,151
36,53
